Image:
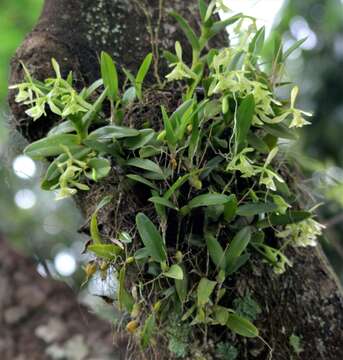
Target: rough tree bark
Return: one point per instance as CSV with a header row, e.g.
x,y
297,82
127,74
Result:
x,y
41,318
307,300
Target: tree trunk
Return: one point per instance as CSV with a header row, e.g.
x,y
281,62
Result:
x,y
41,318
307,300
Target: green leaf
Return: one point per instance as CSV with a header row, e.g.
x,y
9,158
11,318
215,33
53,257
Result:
x,y
164,202
245,115
202,9
208,200
170,57
142,180
236,247
147,331
51,146
221,315
129,95
63,128
174,272
145,164
94,230
151,238
113,132
216,251
142,253
137,142
178,183
89,91
280,131
218,26
109,76
181,286
91,114
256,44
170,134
230,208
105,251
253,209
257,143
241,326
143,70
181,111
125,237
100,168
190,35
204,291
240,261
125,299
291,49
291,217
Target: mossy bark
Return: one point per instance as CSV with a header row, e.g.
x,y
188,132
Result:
x,y
307,300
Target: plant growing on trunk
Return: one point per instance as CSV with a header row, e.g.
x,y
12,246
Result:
x,y
218,188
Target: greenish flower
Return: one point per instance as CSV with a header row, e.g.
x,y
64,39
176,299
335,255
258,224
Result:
x,y
38,110
181,70
268,176
242,163
298,119
302,234
282,205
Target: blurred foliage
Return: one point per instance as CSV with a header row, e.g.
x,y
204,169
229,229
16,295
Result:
x,y
16,20
317,67
47,228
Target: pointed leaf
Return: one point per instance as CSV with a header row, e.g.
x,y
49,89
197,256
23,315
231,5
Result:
x,y
230,208
95,234
190,35
174,272
208,200
164,202
125,299
145,164
181,286
236,247
142,180
295,46
216,251
113,132
143,70
51,146
253,209
147,331
151,238
241,326
219,26
105,251
109,75
204,291
245,115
